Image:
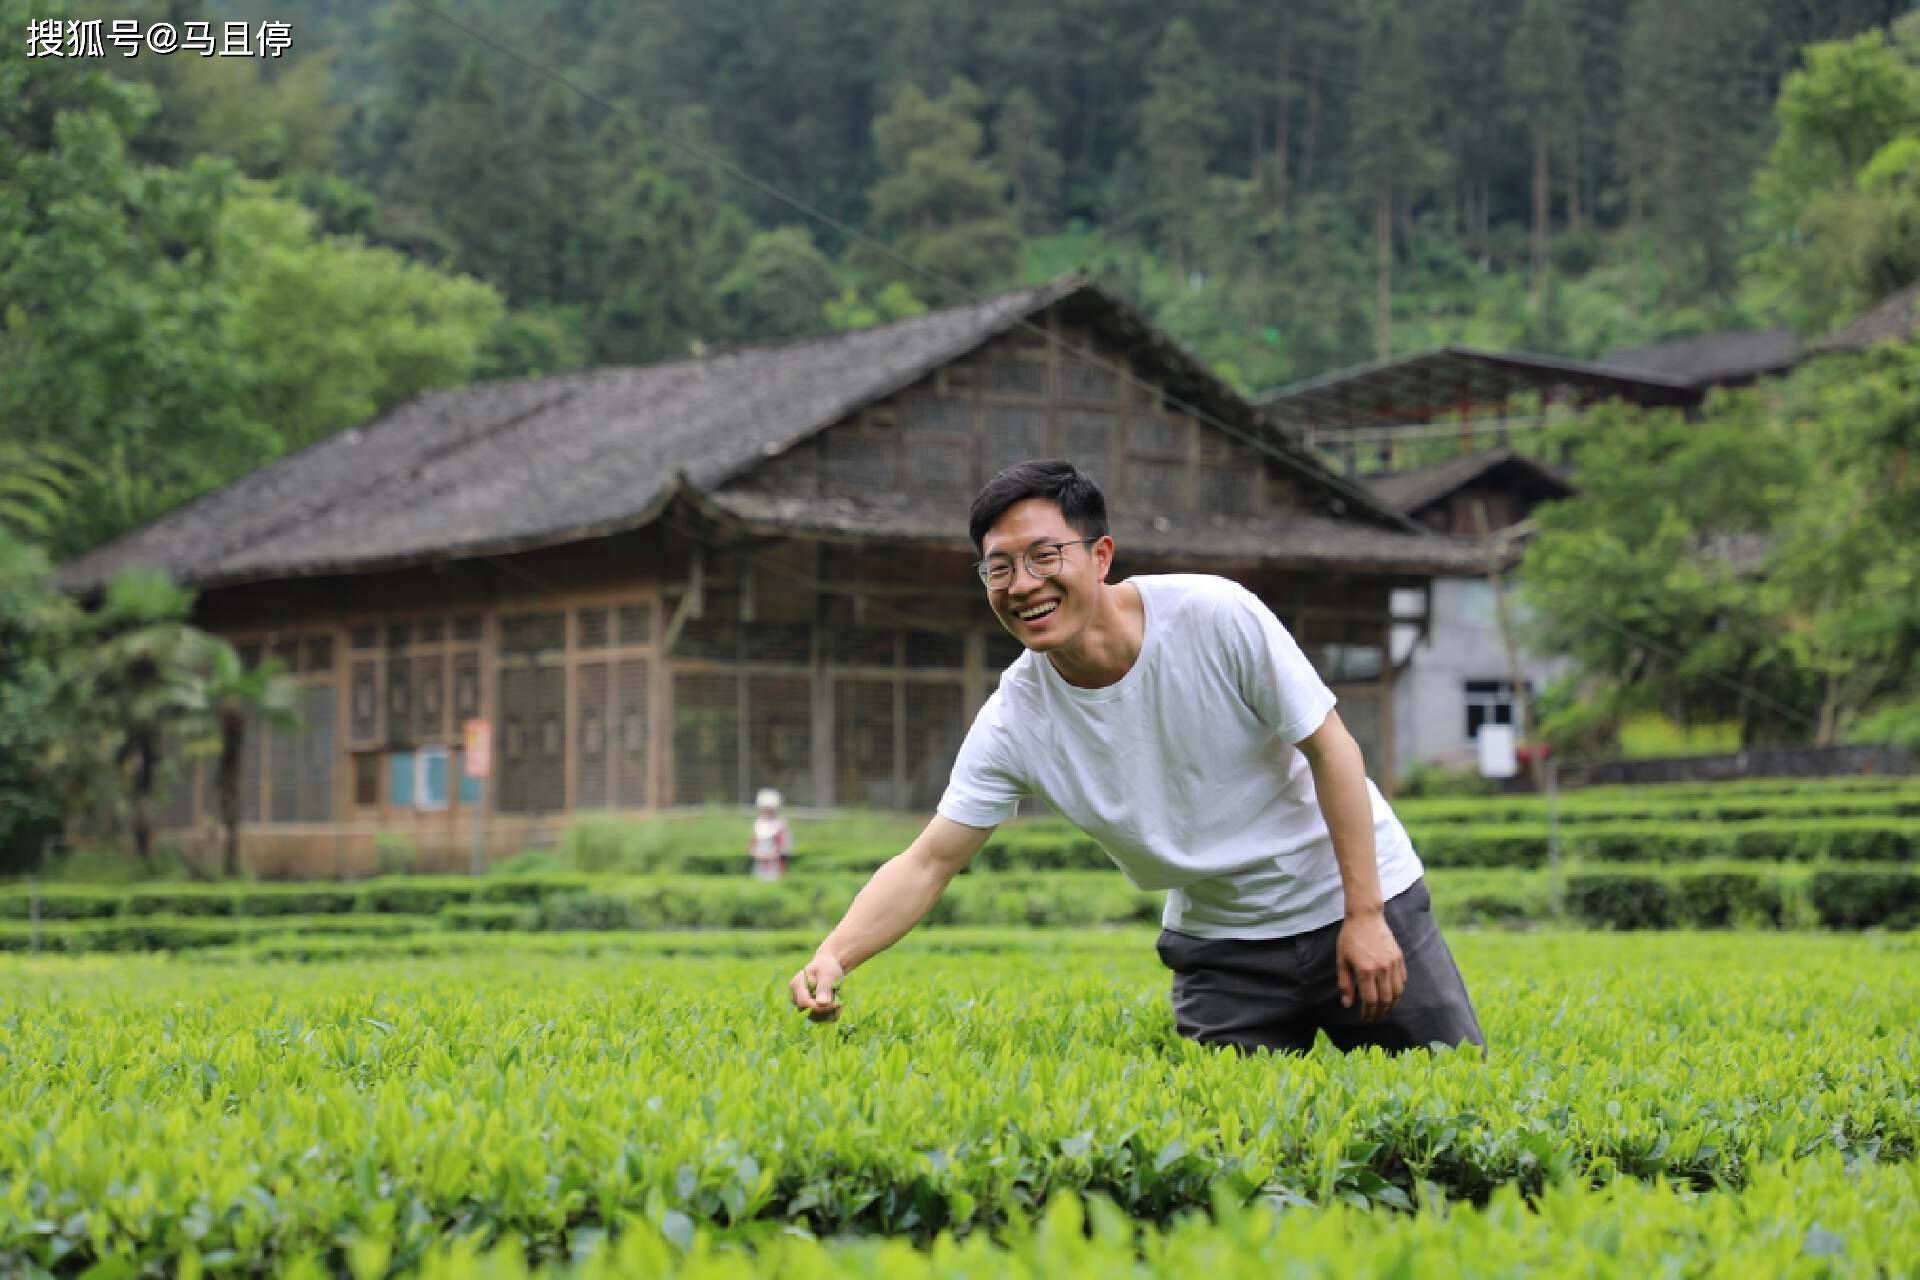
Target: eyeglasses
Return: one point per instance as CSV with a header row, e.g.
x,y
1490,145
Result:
x,y
1042,560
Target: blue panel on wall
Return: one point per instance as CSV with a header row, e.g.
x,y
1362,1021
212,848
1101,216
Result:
x,y
400,779
433,778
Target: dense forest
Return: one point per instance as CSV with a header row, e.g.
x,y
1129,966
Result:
x,y
206,262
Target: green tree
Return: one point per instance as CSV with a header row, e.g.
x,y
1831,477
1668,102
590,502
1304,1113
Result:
x,y
1394,161
37,482
659,254
35,625
1836,203
1845,578
445,200
110,323
779,288
221,700
326,333
123,691
855,310
938,201
1023,151
1180,126
1543,93
1774,543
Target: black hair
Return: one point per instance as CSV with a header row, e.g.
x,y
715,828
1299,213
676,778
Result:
x,y
1054,479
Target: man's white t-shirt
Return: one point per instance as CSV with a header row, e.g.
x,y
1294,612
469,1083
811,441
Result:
x,y
1185,771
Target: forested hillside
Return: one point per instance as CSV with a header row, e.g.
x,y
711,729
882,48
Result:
x,y
418,194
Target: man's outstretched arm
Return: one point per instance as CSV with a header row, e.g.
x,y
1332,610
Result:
x,y
900,893
1370,965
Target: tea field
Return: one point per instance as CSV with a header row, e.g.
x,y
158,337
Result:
x,y
995,1102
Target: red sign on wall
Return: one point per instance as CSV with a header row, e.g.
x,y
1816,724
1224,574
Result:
x,y
477,758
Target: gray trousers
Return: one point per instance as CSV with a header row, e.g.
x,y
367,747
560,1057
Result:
x,y
1277,993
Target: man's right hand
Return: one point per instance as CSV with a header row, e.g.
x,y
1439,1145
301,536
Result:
x,y
813,988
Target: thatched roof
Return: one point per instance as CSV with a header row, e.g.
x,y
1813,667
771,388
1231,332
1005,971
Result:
x,y
496,468
1713,359
1415,487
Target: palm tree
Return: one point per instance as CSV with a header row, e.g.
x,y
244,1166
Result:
x,y
36,483
124,686
226,698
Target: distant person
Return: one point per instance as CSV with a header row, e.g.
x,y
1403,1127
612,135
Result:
x,y
771,844
1174,720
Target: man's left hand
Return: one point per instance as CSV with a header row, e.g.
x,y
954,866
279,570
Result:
x,y
1370,966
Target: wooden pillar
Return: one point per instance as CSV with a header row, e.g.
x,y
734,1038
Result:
x,y
973,679
659,713
822,690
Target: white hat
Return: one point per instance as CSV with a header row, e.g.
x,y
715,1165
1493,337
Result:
x,y
767,799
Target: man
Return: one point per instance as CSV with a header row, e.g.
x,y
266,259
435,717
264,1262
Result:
x,y
1174,720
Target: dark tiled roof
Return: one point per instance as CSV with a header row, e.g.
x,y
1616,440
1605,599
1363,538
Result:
x,y
1889,320
1708,359
1293,539
495,468
1425,386
1415,487
505,466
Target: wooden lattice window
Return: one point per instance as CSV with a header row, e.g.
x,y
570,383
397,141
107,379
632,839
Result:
x,y
631,727
594,628
1011,376
936,649
399,699
780,736
635,624
468,628
1014,433
855,464
936,724
591,737
533,633
1082,378
1155,486
938,466
715,633
533,748
1086,440
429,698
366,779
315,796
466,687
364,702
862,646
1226,489
790,642
863,748
706,739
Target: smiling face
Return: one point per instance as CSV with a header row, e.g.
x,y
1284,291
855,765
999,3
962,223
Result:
x,y
1046,613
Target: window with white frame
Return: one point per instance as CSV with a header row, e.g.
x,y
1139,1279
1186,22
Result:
x,y
1488,702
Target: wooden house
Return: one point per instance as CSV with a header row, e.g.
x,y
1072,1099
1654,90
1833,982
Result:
x,y
669,586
